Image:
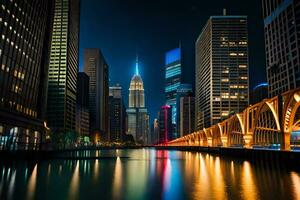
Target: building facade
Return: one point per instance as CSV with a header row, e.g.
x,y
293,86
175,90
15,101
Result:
x,y
117,114
165,124
173,78
24,64
221,69
82,112
282,42
96,68
61,105
183,90
137,114
187,115
259,93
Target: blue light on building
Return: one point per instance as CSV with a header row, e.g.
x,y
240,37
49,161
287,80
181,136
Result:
x,y
173,56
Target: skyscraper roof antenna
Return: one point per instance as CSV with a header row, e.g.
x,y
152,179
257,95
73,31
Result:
x,y
137,64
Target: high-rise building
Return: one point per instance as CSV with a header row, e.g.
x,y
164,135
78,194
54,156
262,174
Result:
x,y
82,112
173,78
183,90
282,41
24,63
187,115
116,114
96,68
61,109
165,124
137,114
154,137
259,93
221,69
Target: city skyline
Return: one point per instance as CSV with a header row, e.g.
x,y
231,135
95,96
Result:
x,y
120,49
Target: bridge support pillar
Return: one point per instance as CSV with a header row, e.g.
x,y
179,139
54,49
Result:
x,y
224,141
248,138
286,144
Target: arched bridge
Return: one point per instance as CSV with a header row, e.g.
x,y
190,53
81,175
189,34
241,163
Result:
x,y
272,123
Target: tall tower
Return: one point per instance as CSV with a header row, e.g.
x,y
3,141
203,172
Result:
x,y
282,41
96,68
221,69
63,68
24,62
137,114
173,79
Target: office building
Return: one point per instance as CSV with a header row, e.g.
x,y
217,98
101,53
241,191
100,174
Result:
x,y
187,115
165,124
96,68
183,90
82,112
173,78
24,63
117,114
221,69
282,42
259,93
61,109
137,114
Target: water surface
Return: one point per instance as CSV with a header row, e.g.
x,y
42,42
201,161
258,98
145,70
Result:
x,y
147,174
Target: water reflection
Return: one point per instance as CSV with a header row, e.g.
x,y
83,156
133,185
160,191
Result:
x,y
148,174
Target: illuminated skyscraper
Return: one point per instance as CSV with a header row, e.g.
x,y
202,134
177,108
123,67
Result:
x,y
165,124
173,78
282,41
24,63
221,69
61,112
137,114
96,68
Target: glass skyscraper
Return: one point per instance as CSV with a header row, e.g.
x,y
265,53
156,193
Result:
x,y
25,28
63,68
221,69
282,41
173,79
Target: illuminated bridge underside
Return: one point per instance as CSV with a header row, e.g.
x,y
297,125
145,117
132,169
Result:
x,y
272,123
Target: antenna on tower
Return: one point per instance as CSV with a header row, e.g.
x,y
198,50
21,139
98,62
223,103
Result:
x,y
137,64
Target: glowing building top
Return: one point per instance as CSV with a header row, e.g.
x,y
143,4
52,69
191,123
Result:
x,y
136,89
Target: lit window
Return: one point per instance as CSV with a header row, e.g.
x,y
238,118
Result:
x,y
244,77
233,54
242,66
225,80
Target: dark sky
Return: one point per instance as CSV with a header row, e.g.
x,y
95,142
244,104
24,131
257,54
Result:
x,y
119,27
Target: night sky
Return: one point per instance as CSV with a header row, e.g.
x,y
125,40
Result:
x,y
119,27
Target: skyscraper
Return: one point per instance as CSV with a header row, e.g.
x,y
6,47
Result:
x,y
173,78
82,112
165,124
282,41
24,64
137,114
61,111
221,69
183,90
96,68
187,115
116,114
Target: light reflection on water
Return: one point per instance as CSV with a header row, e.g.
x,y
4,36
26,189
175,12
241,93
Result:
x,y
147,174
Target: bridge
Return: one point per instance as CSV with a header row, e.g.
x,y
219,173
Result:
x,y
271,123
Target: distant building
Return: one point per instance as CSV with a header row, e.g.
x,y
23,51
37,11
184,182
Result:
x,y
82,112
282,36
24,64
61,111
187,115
183,90
116,114
173,78
221,69
165,124
96,68
259,93
154,138
137,114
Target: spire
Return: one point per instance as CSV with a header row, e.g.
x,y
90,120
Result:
x,y
137,65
